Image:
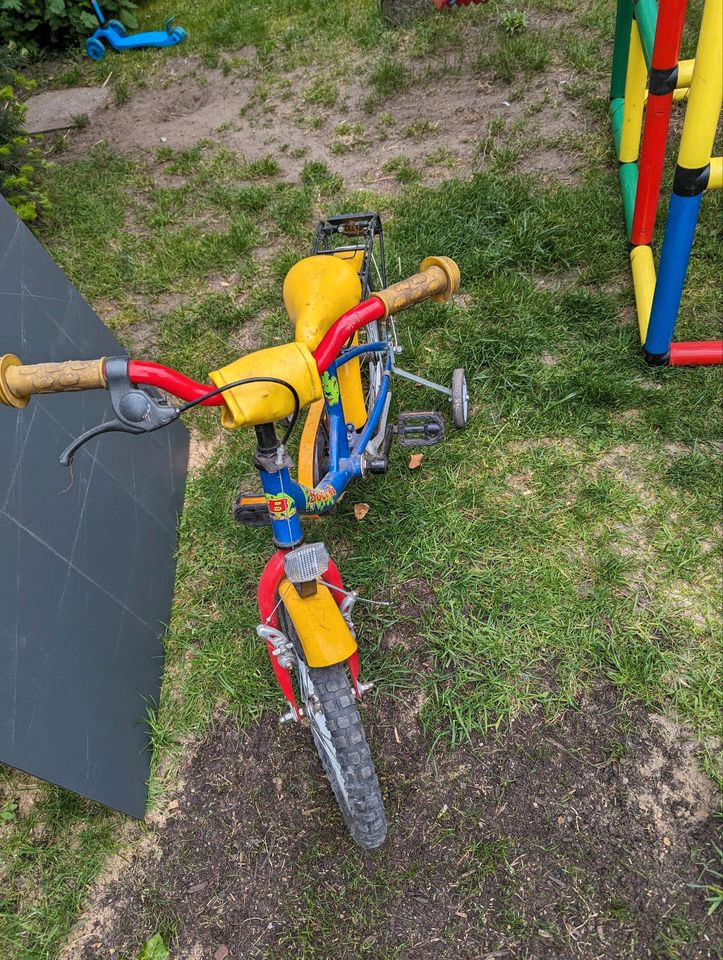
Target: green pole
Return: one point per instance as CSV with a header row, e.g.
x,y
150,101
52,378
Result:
x,y
623,22
628,186
617,107
646,13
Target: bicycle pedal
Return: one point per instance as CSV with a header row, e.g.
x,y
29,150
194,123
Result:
x,y
250,509
422,429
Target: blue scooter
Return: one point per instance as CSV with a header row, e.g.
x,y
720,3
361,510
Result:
x,y
117,37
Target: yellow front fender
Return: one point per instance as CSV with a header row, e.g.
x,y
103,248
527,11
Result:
x,y
324,634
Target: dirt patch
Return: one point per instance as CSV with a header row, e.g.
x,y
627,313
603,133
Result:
x,y
201,451
556,840
22,790
627,463
248,337
196,104
674,795
140,339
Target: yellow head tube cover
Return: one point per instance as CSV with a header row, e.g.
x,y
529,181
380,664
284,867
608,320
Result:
x,y
254,403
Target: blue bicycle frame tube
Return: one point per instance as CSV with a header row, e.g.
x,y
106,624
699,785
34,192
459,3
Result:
x,y
281,501
371,424
362,348
285,497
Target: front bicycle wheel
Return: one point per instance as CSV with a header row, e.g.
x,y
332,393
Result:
x,y
338,734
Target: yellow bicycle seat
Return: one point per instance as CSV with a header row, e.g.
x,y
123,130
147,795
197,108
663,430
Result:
x,y
317,290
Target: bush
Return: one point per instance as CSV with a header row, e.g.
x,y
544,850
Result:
x,y
20,163
44,24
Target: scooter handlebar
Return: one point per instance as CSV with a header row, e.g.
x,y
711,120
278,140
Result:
x,y
18,381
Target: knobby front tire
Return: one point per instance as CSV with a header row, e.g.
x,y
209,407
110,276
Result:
x,y
338,733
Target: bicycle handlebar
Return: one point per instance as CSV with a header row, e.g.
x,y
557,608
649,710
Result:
x,y
18,381
438,280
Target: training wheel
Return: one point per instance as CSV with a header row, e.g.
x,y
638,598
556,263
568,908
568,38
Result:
x,y
94,48
460,398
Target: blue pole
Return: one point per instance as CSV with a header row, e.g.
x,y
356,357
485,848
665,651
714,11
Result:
x,y
674,256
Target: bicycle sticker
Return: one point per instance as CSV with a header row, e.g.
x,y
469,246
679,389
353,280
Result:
x,y
330,386
320,499
280,506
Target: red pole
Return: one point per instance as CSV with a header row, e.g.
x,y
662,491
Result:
x,y
704,353
663,75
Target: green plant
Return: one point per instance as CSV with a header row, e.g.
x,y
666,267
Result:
x,y
713,889
322,90
402,169
154,949
39,24
20,162
513,21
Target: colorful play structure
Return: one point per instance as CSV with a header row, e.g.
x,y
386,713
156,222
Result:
x,y
646,77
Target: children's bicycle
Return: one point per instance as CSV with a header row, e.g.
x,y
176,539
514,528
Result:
x,y
340,366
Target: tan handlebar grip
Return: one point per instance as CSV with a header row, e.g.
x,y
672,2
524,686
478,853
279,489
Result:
x,y
438,280
18,382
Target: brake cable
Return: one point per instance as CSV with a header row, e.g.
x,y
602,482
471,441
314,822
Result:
x,y
240,383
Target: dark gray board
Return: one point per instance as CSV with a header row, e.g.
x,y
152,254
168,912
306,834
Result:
x,y
87,559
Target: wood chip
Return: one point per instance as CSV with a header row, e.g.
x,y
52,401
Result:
x,y
198,887
361,510
415,460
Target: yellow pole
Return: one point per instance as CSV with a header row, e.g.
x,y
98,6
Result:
x,y
685,73
641,263
635,83
715,177
706,91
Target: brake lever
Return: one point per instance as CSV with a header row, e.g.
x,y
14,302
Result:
x,y
135,410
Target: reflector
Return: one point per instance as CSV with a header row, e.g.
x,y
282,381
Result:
x,y
307,562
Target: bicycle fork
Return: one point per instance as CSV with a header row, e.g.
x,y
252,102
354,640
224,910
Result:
x,y
305,580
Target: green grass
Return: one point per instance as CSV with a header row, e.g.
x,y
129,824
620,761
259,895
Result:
x,y
568,533
47,860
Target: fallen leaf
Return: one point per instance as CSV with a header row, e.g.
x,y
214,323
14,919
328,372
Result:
x,y
361,510
221,953
415,460
666,841
154,949
197,887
